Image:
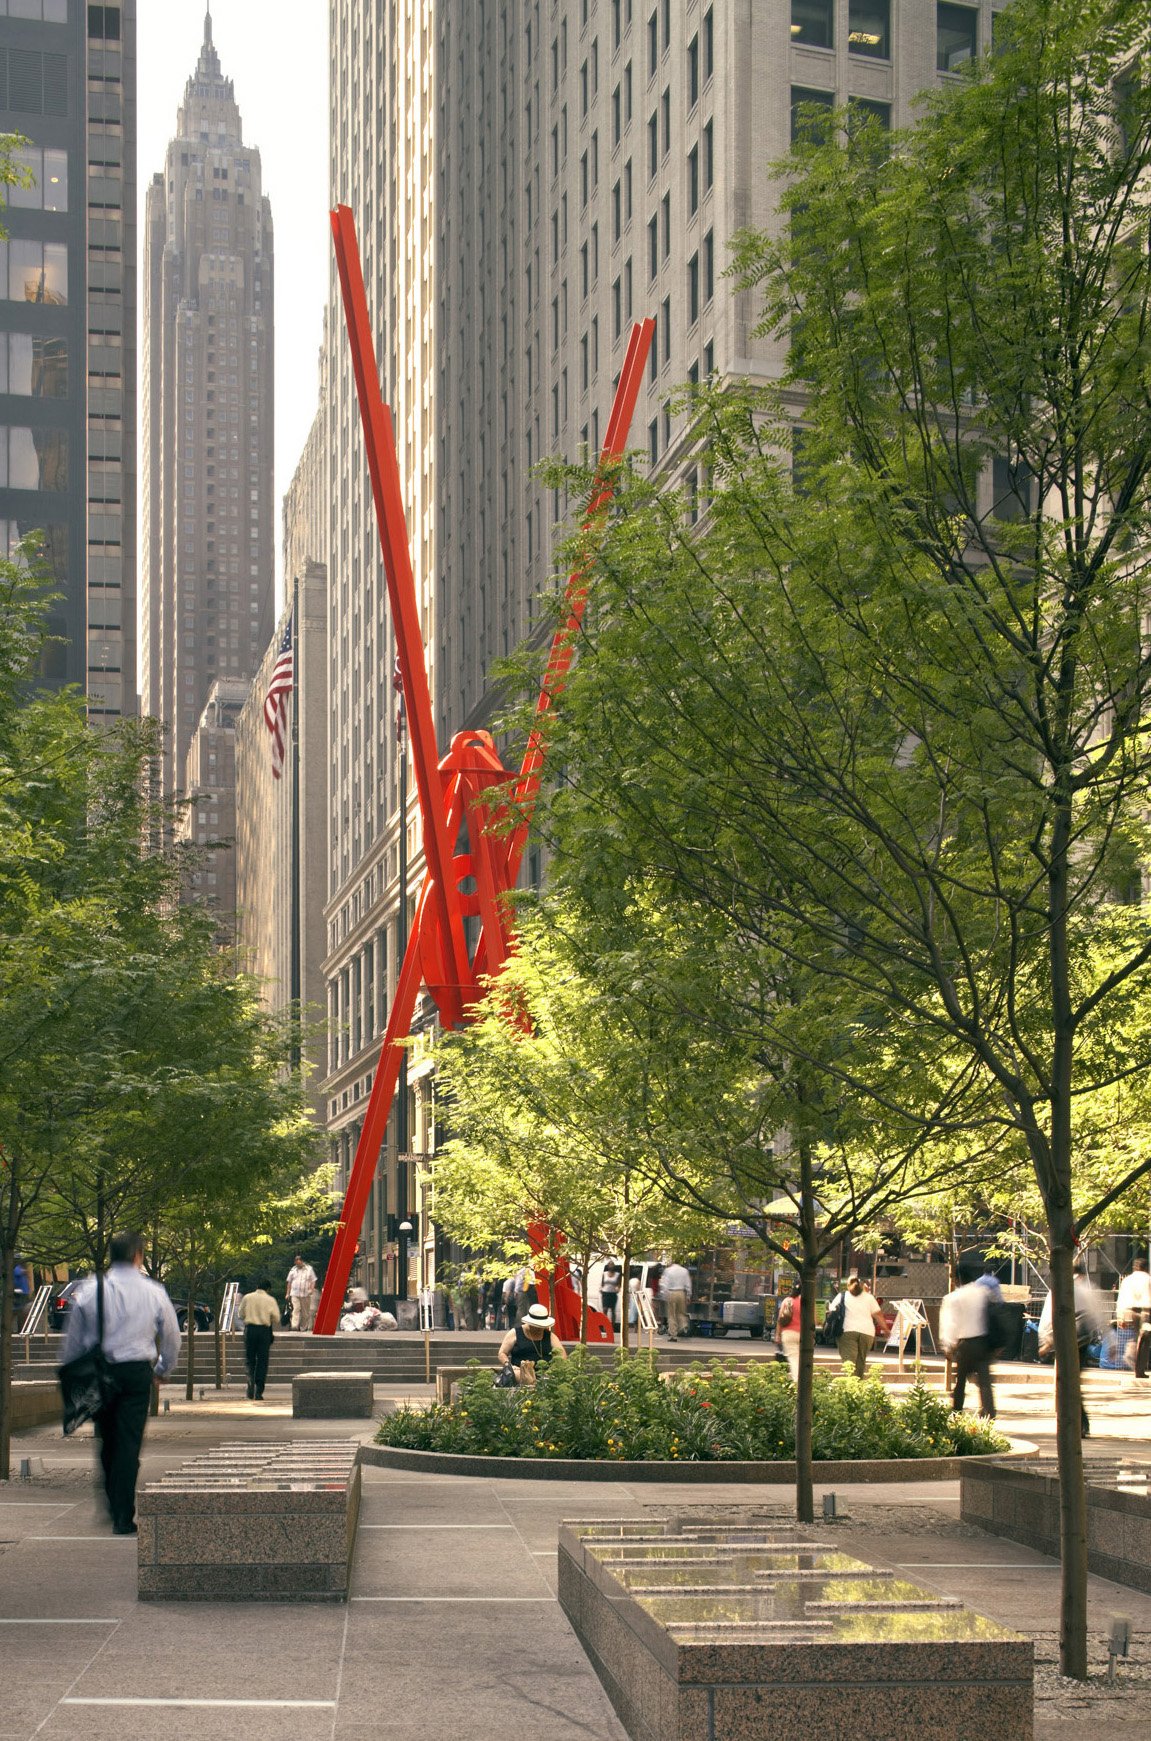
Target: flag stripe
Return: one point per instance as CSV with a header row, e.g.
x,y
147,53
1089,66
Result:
x,y
276,700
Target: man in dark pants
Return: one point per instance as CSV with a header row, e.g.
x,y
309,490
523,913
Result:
x,y
259,1313
138,1318
965,1334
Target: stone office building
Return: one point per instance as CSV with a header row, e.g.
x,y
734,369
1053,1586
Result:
x,y
209,551
68,330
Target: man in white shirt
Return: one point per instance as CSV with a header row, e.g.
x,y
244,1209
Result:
x,y
138,1317
1134,1297
298,1293
964,1332
675,1291
260,1316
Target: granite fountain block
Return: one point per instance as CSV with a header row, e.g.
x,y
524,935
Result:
x,y
332,1396
251,1522
730,1627
1020,1500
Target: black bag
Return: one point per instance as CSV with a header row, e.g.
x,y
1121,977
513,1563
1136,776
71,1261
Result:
x,y
1002,1326
833,1322
506,1378
86,1383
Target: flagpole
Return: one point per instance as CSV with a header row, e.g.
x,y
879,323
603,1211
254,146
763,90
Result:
x,y
297,675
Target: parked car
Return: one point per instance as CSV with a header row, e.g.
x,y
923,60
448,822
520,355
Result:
x,y
205,1317
60,1304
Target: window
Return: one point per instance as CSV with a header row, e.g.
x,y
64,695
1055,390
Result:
x,y
627,192
665,212
652,144
665,328
693,180
583,89
653,440
956,36
33,459
869,28
693,72
813,23
652,44
49,172
627,95
583,180
665,121
35,271
616,308
805,123
103,21
653,244
708,266
616,8
616,212
616,116
34,365
708,156
693,290
708,44
863,107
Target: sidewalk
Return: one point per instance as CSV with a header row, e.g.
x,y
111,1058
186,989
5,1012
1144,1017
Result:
x,y
453,1629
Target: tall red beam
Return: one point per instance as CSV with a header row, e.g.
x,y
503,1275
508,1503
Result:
x,y
453,790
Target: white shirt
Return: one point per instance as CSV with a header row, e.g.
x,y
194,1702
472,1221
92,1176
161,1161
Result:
x,y
1089,1317
301,1279
138,1316
1134,1294
859,1312
675,1280
963,1314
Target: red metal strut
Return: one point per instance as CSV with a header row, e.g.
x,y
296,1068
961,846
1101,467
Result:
x,y
453,790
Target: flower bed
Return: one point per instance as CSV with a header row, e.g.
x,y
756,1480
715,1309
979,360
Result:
x,y
584,1410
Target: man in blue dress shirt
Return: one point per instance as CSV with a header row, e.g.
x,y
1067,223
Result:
x,y
139,1319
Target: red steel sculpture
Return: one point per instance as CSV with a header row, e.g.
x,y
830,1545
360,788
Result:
x,y
455,790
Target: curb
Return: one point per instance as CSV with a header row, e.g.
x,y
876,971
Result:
x,y
860,1471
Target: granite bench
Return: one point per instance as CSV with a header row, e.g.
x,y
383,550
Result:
x,y
1020,1500
726,1625
447,1377
254,1521
35,1403
332,1396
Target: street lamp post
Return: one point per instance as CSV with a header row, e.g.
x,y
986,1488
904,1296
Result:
x,y
402,1205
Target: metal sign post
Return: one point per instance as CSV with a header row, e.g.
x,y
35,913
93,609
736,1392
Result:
x,y
645,1312
427,1297
37,1319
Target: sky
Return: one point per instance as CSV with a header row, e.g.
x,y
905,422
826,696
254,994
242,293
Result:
x,y
275,52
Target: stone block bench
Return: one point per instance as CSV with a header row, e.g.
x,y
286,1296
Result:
x,y
35,1403
447,1377
332,1396
252,1521
730,1626
1020,1500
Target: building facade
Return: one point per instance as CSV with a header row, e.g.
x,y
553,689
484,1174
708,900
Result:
x,y
209,522
68,331
281,882
528,178
208,821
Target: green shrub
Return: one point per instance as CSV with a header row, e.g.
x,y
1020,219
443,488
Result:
x,y
582,1408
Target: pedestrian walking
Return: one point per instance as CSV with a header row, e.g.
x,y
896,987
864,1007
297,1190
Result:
x,y
298,1290
965,1336
141,1344
609,1285
1090,1322
861,1319
22,1290
508,1301
675,1291
787,1327
259,1313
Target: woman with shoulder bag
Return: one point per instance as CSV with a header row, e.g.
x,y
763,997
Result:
x,y
787,1329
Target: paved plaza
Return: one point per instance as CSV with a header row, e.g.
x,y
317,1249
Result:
x,y
453,1628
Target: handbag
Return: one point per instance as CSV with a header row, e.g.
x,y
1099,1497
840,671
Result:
x,y
86,1382
506,1378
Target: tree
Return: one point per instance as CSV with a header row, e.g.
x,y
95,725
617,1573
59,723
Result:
x,y
542,1091
888,715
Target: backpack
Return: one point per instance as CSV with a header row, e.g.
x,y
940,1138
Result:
x,y
785,1314
1002,1326
833,1322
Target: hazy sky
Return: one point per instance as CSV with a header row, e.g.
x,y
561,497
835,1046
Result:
x,y
275,51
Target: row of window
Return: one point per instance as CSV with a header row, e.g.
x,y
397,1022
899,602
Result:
x,y
44,11
34,271
869,29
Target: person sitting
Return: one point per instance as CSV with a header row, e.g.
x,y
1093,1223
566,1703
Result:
x,y
531,1341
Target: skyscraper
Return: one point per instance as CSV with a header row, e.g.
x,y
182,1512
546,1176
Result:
x,y
209,555
527,180
68,330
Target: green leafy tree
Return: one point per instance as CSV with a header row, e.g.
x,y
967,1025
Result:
x,y
888,713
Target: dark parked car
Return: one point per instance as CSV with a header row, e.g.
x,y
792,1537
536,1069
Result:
x,y
61,1304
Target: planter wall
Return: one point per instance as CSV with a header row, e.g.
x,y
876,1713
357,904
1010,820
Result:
x,y
584,1469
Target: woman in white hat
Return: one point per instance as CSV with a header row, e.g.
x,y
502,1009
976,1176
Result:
x,y
531,1341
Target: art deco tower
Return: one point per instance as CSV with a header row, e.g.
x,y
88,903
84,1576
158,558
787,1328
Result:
x,y
209,526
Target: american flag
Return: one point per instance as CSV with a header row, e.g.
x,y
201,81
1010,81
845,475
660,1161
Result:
x,y
276,700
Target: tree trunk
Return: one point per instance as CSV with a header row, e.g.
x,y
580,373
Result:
x,y
1069,1444
221,1368
7,1352
585,1266
804,1392
190,1351
624,1301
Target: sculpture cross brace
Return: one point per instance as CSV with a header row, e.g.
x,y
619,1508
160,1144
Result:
x,y
453,790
